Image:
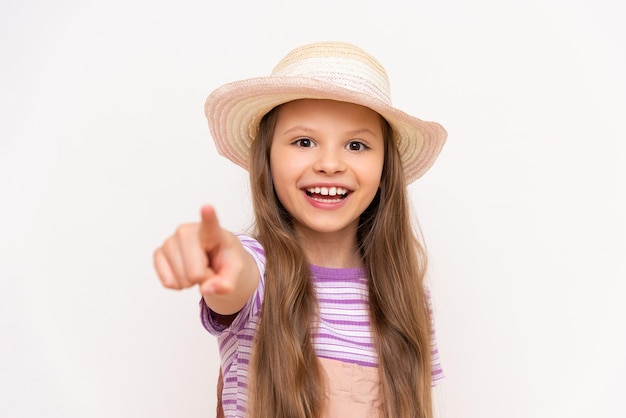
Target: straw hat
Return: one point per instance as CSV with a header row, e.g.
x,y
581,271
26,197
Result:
x,y
327,70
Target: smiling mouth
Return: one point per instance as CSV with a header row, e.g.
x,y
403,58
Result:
x,y
327,194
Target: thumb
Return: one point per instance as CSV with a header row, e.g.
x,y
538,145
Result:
x,y
210,230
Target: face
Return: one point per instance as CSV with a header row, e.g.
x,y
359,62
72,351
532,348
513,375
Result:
x,y
326,160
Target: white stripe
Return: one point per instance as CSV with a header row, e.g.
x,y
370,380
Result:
x,y
342,72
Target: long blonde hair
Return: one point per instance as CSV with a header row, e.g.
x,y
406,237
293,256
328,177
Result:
x,y
286,379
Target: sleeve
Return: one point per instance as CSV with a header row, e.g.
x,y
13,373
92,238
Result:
x,y
252,308
436,371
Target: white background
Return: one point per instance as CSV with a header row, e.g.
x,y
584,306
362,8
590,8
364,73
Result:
x,y
104,149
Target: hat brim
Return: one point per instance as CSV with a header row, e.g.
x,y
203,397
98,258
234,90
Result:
x,y
234,111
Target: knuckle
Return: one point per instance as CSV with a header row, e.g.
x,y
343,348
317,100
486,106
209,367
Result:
x,y
171,282
194,277
185,231
165,249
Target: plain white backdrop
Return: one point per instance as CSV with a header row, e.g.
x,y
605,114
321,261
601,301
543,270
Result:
x,y
104,149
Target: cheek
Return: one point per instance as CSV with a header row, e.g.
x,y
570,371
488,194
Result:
x,y
286,165
375,172
277,169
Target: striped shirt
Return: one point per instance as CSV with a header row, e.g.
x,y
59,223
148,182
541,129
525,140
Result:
x,y
343,334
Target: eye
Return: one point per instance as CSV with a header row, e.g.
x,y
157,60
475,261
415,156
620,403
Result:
x,y
356,146
304,142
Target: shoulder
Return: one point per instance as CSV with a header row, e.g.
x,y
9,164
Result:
x,y
249,241
255,248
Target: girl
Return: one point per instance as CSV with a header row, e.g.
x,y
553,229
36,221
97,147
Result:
x,y
322,311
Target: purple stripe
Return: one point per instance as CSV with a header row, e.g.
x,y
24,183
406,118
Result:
x,y
223,343
342,302
360,324
259,251
246,337
347,279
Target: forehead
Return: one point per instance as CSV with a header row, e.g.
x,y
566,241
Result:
x,y
313,110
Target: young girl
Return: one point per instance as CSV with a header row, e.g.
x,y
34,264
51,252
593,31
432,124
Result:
x,y
322,310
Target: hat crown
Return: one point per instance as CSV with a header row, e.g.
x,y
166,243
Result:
x,y
340,64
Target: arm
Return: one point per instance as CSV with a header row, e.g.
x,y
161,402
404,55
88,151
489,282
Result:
x,y
211,257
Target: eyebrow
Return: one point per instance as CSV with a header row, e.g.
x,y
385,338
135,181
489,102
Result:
x,y
351,133
297,128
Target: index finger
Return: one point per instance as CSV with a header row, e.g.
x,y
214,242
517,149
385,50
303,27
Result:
x,y
210,230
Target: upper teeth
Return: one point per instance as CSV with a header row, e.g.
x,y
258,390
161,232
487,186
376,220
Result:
x,y
327,191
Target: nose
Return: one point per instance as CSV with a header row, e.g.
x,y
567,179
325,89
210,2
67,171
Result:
x,y
329,162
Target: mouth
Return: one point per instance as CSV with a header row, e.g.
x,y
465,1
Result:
x,y
327,194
